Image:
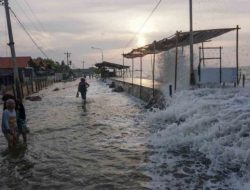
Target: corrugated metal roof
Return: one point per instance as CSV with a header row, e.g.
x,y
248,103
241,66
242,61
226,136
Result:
x,y
183,40
111,65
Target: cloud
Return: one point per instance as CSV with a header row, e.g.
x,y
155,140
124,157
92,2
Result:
x,y
110,24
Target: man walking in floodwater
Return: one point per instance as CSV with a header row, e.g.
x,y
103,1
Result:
x,y
82,88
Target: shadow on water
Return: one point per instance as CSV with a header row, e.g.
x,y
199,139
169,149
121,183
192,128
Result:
x,y
16,152
15,167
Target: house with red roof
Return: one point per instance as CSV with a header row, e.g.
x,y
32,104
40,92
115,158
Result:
x,y
6,69
22,62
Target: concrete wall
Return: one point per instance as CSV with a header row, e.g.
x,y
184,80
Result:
x,y
133,89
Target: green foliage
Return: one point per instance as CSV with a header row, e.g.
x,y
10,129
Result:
x,y
40,64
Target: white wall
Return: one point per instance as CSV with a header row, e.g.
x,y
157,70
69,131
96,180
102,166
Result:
x,y
212,75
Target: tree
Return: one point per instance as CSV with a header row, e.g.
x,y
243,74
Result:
x,y
49,66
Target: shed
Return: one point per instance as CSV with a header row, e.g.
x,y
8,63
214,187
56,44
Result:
x,y
6,69
105,67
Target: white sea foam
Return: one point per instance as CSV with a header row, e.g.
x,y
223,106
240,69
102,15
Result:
x,y
213,125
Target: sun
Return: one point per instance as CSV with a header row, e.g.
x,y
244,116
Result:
x,y
141,41
137,26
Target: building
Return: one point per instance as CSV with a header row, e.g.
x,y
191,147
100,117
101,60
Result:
x,y
108,69
25,72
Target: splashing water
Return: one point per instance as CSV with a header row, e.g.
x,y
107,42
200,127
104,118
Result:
x,y
202,141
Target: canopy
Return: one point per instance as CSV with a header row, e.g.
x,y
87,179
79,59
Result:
x,y
111,65
179,39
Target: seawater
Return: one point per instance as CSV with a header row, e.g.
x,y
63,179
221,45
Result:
x,y
68,148
200,141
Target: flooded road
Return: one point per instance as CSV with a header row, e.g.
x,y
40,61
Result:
x,y
102,148
200,141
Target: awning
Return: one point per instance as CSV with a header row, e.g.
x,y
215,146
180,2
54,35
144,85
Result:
x,y
111,65
183,39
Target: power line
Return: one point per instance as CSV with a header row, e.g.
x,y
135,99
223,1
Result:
x,y
26,31
34,24
38,21
144,23
31,10
26,15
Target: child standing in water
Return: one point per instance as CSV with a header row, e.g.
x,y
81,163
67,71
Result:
x,y
9,123
21,121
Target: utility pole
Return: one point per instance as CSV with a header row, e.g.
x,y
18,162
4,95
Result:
x,y
17,89
67,55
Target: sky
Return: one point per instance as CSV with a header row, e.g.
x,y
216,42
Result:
x,y
109,25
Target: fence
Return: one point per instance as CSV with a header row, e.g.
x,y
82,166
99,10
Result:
x,y
30,87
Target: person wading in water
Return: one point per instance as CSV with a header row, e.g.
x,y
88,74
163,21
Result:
x,y
82,88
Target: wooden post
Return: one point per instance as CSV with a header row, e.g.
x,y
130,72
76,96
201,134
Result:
x,y
32,85
170,90
140,75
237,54
22,93
27,87
199,66
123,67
153,78
220,66
243,80
176,60
203,53
132,72
39,84
191,36
36,85
13,89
